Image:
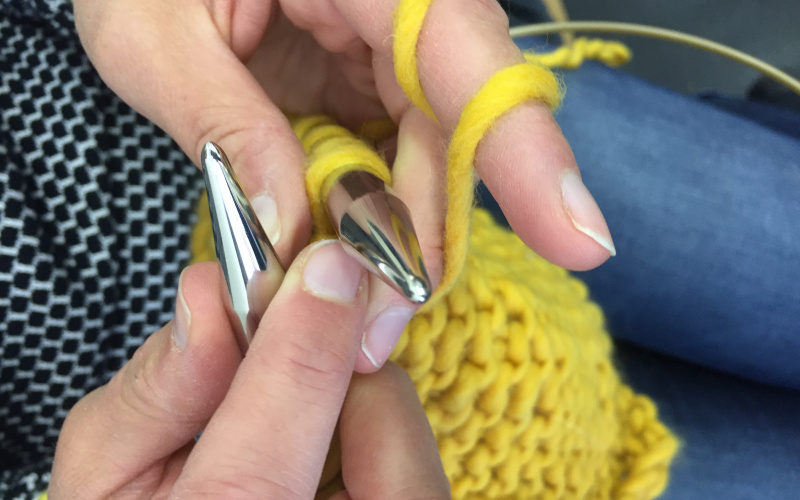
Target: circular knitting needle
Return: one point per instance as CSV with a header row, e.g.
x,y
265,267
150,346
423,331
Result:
x,y
251,268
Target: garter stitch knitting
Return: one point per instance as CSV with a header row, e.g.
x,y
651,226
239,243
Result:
x,y
510,358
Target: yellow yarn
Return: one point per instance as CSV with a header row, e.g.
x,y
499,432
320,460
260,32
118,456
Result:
x,y
574,51
332,152
408,20
510,359
505,90
572,55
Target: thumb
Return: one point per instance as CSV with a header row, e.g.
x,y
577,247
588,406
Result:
x,y
180,64
123,433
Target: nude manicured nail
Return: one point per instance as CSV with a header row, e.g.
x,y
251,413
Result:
x,y
332,274
584,212
266,210
183,318
384,332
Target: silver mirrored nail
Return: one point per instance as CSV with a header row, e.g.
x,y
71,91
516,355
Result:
x,y
253,273
376,228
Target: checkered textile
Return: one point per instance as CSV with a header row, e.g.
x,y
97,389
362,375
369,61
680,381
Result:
x,y
96,206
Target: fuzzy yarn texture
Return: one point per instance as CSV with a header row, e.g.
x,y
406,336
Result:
x,y
510,358
573,54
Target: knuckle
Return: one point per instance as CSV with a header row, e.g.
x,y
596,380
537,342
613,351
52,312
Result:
x,y
210,125
144,395
70,437
314,368
241,129
139,396
103,29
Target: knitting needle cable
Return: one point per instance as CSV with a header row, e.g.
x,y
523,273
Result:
x,y
661,34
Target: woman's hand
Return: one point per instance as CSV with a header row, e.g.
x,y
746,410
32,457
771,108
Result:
x,y
266,427
222,71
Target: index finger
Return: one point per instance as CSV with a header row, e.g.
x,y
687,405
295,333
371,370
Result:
x,y
524,160
270,435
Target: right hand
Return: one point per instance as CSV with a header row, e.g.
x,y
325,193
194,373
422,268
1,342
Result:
x,y
267,420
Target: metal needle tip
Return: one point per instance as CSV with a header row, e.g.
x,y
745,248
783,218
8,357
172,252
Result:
x,y
251,268
376,228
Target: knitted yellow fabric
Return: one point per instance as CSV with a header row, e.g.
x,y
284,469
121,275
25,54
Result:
x,y
510,359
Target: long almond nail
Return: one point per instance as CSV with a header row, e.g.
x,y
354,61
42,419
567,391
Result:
x,y
384,332
183,318
584,212
332,274
266,210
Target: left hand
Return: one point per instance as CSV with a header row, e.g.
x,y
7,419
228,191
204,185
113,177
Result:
x,y
226,70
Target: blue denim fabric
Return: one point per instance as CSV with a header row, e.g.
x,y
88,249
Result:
x,y
784,121
740,440
704,207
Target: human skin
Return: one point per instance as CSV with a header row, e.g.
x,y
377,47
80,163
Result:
x,y
227,70
267,419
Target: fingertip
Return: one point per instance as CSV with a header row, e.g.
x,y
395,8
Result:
x,y
584,256
286,223
554,237
418,178
530,170
383,332
387,315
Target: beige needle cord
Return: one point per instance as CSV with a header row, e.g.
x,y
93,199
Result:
x,y
662,34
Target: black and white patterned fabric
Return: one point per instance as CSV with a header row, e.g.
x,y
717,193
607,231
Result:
x,y
96,207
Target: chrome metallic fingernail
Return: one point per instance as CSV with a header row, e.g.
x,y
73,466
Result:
x,y
251,268
376,228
